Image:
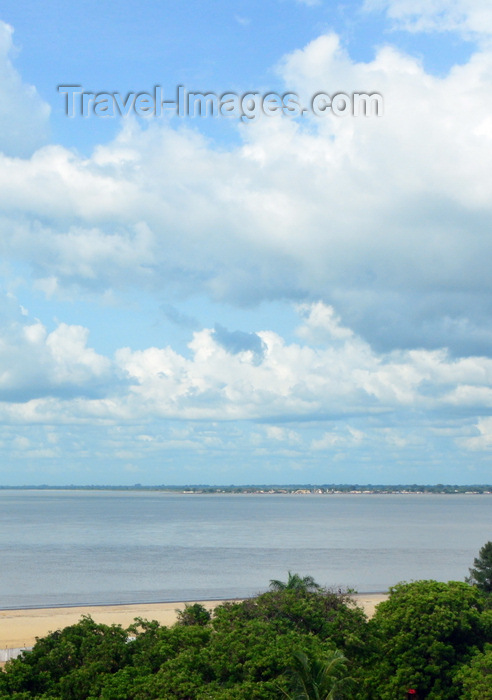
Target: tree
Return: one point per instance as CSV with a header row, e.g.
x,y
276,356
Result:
x,y
476,677
243,652
71,663
329,616
194,614
295,583
481,573
426,631
315,679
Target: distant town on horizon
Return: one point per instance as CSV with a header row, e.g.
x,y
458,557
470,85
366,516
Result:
x,y
269,489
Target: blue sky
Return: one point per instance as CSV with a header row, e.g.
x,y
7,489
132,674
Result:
x,y
224,300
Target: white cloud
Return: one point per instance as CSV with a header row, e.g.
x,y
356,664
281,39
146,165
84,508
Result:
x,y
469,16
377,229
321,324
23,115
482,441
281,434
385,218
337,399
46,374
328,441
36,365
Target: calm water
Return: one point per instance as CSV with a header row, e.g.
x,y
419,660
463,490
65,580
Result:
x,y
67,548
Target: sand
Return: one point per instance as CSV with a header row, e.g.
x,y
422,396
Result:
x,y
368,601
19,628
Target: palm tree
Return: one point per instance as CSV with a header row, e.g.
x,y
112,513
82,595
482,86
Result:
x,y
314,679
295,583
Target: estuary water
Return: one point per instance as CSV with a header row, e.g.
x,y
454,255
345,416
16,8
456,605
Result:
x,y
108,547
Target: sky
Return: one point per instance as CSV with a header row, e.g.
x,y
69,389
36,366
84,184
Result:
x,y
246,298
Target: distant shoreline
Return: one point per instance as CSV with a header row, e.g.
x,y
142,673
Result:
x,y
275,489
19,627
69,606
181,601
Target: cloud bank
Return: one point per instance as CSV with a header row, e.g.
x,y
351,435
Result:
x,y
236,391
384,218
376,229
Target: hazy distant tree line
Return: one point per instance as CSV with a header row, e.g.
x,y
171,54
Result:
x,y
268,488
298,641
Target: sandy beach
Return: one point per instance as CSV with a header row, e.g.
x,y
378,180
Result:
x,y
19,628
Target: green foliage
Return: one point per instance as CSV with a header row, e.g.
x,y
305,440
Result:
x,y
255,652
70,663
481,573
476,677
194,614
425,631
327,615
296,642
295,583
312,678
244,652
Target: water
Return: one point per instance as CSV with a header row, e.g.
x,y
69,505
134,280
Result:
x,y
99,547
